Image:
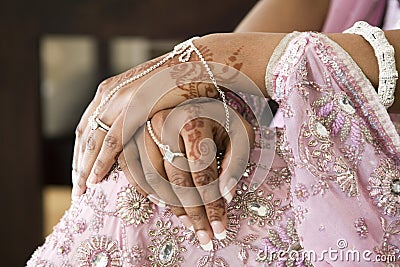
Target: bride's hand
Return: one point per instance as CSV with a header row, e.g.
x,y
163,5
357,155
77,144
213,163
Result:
x,y
126,111
192,186
96,149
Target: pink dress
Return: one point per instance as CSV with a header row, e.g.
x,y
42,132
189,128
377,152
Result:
x,y
331,197
340,18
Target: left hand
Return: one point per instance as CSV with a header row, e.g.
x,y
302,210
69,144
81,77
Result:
x,y
192,187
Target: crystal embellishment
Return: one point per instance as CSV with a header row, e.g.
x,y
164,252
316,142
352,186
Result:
x,y
166,252
100,259
260,208
166,245
169,155
395,187
346,105
361,227
384,187
321,130
99,251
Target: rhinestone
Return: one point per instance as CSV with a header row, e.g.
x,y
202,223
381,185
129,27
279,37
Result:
x,y
136,205
346,105
243,255
169,155
395,187
258,209
100,259
166,252
92,123
321,130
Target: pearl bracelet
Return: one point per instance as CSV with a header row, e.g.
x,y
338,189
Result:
x,y
384,53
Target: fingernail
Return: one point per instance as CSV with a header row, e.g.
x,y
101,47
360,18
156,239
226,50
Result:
x,y
218,229
91,181
230,184
205,241
156,201
187,222
74,197
227,195
89,184
75,194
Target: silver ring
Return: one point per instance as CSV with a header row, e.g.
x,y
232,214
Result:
x,y
168,154
95,123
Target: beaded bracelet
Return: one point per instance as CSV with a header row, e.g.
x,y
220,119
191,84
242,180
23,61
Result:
x,y
384,53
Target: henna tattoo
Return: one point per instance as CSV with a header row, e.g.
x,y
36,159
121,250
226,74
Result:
x,y
193,124
216,210
111,141
194,139
183,74
194,215
232,60
91,143
98,168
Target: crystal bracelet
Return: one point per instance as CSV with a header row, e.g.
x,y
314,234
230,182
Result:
x,y
384,53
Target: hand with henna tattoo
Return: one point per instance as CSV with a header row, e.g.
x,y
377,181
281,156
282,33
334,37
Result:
x,y
193,187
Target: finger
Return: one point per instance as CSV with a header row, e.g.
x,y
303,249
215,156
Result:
x,y
152,162
79,179
236,156
195,217
92,147
136,168
183,186
153,169
180,212
141,185
100,160
82,125
103,159
197,140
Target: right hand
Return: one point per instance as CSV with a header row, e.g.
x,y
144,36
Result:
x,y
95,151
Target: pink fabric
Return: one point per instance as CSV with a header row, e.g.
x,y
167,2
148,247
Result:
x,y
392,16
330,187
343,13
320,90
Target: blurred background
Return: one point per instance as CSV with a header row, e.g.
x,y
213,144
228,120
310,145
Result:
x,y
53,56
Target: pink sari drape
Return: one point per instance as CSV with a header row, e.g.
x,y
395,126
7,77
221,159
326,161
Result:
x,y
333,185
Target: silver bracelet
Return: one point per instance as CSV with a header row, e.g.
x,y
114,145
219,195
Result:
x,y
384,53
184,50
168,154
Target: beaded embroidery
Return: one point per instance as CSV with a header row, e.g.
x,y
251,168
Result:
x,y
133,207
259,207
387,247
384,187
99,251
165,246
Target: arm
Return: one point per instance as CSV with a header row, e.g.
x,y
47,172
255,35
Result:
x,y
257,49
94,157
